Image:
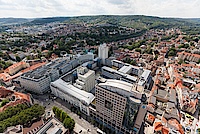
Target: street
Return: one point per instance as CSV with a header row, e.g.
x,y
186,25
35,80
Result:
x,y
49,103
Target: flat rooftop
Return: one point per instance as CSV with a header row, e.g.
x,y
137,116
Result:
x,y
53,126
87,74
125,69
73,91
117,84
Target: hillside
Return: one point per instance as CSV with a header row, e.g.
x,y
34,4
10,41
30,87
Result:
x,y
12,21
134,21
41,21
140,22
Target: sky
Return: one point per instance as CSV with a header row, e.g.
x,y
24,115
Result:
x,y
53,8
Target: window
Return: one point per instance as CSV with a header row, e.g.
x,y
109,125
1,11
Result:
x,y
108,105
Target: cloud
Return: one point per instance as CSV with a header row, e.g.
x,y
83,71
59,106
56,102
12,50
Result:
x,y
118,2
47,8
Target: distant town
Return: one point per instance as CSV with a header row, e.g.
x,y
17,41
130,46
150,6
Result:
x,y
100,75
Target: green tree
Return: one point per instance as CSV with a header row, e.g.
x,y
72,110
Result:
x,y
4,102
13,116
156,57
28,57
18,58
133,62
54,109
138,50
66,122
57,113
181,61
69,123
171,53
63,115
199,61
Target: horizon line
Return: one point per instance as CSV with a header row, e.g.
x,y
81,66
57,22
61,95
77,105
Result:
x,y
73,16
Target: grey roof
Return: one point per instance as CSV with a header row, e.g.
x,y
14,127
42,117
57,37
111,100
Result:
x,y
56,130
152,100
125,69
161,93
144,77
73,91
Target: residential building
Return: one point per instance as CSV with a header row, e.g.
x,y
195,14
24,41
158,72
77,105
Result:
x,y
13,69
77,97
103,52
8,78
15,98
86,79
117,105
189,56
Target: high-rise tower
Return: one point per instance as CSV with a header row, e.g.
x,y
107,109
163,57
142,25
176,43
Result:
x,y
103,52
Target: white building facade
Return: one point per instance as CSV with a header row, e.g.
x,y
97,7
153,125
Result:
x,y
86,79
72,95
103,52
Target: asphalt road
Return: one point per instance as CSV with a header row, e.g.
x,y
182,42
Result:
x,y
49,103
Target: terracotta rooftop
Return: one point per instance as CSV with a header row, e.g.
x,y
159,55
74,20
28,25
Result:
x,y
34,126
159,127
19,97
45,51
150,117
7,77
176,124
189,54
15,65
4,92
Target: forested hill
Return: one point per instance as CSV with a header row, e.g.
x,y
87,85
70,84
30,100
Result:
x,y
132,21
41,21
11,21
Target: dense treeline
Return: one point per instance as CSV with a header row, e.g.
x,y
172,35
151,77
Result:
x,y
11,111
4,64
104,37
64,118
20,114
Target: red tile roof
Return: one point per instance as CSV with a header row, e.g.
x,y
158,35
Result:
x,y
19,97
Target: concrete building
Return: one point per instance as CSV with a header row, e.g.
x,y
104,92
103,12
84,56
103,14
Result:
x,y
77,97
103,52
53,126
117,105
85,58
39,80
86,79
139,77
108,61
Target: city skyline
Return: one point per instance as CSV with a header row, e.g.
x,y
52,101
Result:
x,y
52,8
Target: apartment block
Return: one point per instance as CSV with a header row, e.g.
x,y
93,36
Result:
x,y
16,67
117,105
